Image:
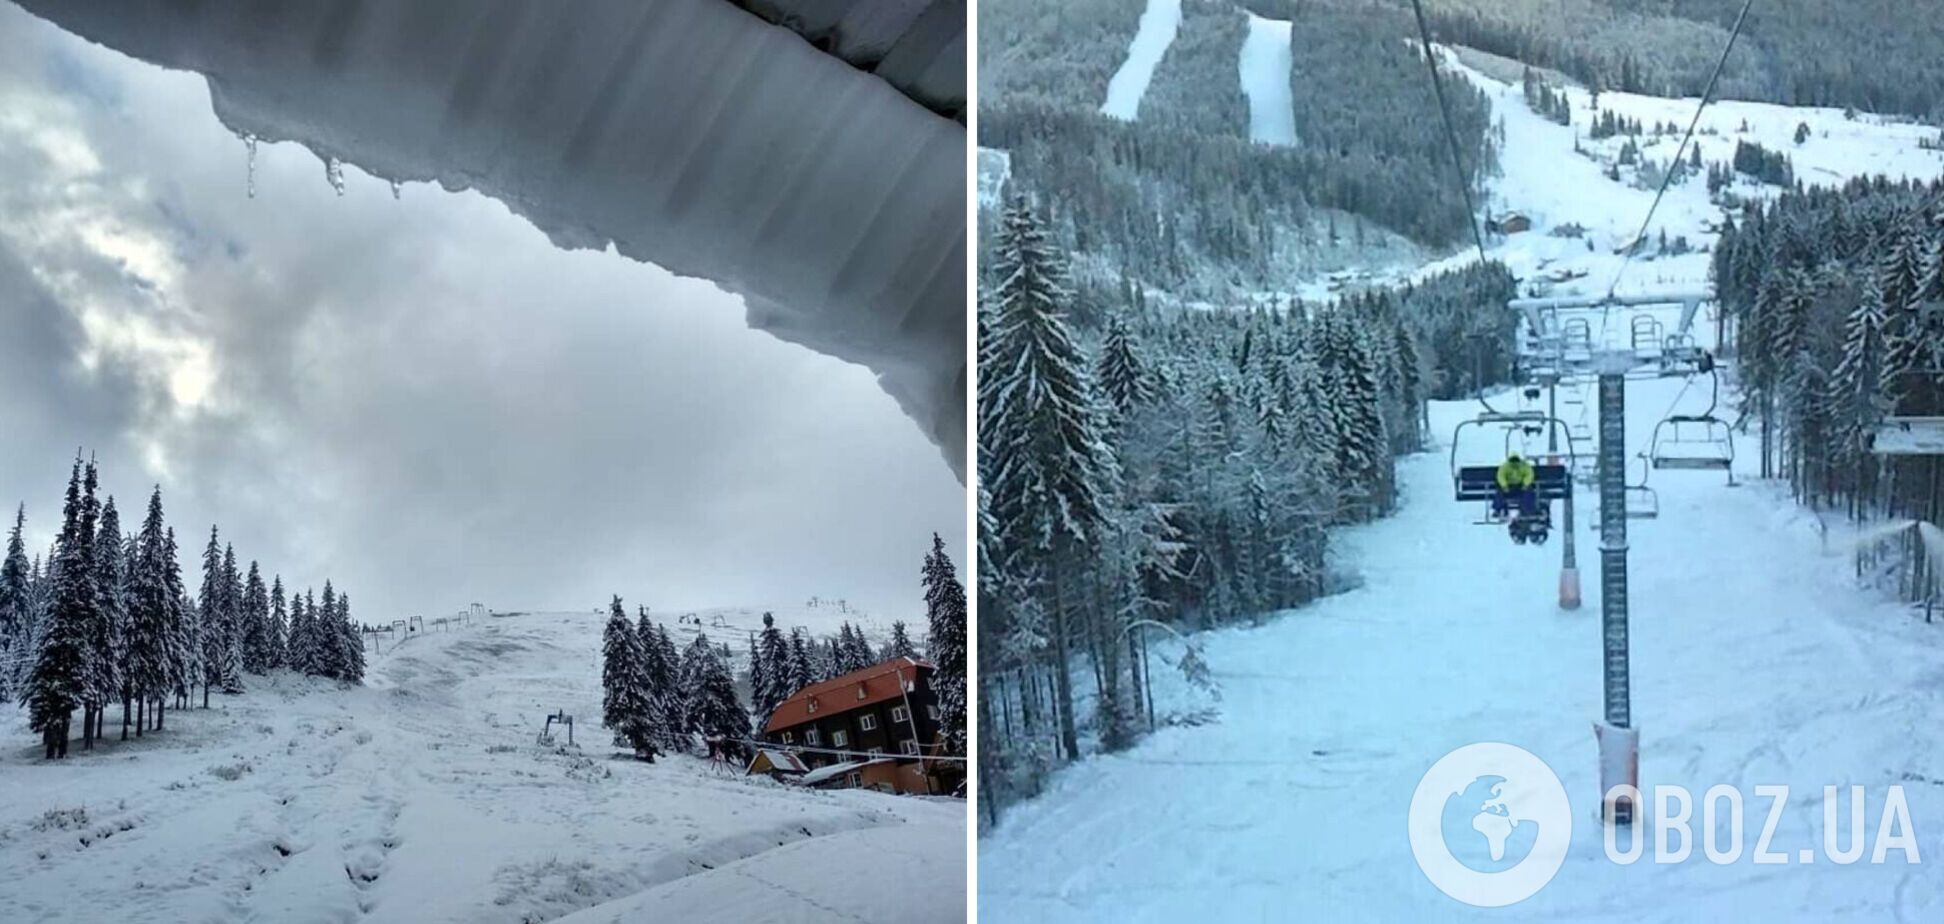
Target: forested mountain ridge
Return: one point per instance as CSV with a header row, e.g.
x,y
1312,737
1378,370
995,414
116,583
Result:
x,y
1871,55
1180,198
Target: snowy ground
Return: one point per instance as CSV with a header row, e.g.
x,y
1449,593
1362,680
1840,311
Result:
x,y
1265,69
1755,661
425,797
1542,176
1157,31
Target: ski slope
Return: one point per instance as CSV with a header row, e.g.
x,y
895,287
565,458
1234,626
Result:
x,y
424,797
1159,23
1755,661
1265,65
1556,175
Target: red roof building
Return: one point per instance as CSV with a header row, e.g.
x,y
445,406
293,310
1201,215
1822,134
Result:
x,y
886,710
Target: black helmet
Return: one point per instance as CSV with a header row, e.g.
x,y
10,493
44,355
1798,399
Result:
x,y
1513,458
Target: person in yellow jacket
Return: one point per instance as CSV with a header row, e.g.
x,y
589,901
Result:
x,y
1516,481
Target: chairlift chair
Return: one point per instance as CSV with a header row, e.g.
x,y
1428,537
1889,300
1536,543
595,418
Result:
x,y
1695,442
1552,478
1648,333
1643,502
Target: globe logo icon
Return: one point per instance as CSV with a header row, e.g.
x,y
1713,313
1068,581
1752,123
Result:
x,y
1490,824
1483,831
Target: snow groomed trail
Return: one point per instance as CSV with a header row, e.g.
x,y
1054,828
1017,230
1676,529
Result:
x,y
1755,661
1157,31
1265,65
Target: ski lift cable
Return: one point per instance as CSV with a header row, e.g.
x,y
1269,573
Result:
x,y
1451,132
1673,167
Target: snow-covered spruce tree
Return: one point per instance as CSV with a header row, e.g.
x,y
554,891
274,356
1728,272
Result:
x,y
14,604
108,634
673,696
1861,390
945,642
627,703
659,660
303,633
779,680
350,642
324,635
1363,461
184,646
210,610
256,622
231,672
1123,376
1040,444
276,627
802,674
718,714
900,645
148,666
759,681
59,678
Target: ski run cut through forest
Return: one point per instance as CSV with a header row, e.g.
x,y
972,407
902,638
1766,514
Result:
x,y
1773,634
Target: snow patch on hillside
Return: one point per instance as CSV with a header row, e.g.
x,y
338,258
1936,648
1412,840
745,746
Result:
x,y
1265,65
1159,22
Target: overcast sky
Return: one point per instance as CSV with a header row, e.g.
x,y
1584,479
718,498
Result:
x,y
420,398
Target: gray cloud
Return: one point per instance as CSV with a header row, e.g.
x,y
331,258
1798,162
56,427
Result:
x,y
419,398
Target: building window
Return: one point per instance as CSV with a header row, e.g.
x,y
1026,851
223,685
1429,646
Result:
x,y
877,752
869,722
789,737
910,747
813,704
839,738
900,714
931,712
811,737
860,691
855,779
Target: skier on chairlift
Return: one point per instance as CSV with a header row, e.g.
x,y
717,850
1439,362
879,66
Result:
x,y
1517,484
1516,481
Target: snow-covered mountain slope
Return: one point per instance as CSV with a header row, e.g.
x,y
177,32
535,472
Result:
x,y
1158,26
422,797
1556,175
1265,69
686,133
1755,661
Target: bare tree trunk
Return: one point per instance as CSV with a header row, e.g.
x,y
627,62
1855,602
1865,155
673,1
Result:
x,y
1062,678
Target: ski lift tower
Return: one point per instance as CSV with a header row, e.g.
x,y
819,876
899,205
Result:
x,y
1558,344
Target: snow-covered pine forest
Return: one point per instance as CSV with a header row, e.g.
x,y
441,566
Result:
x,y
102,619
1185,466
1834,294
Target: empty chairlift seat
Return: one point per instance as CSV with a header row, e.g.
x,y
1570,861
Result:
x,y
1703,443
